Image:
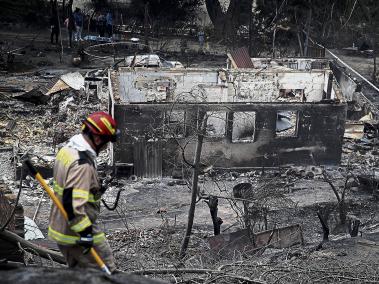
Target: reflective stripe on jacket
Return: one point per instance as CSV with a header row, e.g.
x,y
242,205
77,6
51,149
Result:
x,y
77,186
71,240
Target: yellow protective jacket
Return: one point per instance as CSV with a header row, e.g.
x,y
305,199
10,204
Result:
x,y
77,186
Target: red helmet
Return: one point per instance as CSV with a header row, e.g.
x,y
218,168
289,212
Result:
x,y
102,124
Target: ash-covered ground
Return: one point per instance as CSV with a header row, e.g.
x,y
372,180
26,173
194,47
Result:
x,y
146,229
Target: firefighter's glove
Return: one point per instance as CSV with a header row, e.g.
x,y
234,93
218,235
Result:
x,y
86,240
86,243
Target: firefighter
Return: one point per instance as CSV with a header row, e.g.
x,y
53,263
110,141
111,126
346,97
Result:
x,y
77,185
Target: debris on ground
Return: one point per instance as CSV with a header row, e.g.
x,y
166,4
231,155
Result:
x,y
269,231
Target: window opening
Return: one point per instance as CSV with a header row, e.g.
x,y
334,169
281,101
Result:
x,y
286,123
297,95
243,126
216,124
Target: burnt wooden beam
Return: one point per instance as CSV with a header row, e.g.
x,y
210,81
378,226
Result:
x,y
34,249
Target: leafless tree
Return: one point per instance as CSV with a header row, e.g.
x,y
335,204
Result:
x,y
340,193
195,179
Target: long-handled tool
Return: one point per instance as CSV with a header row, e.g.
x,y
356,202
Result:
x,y
56,201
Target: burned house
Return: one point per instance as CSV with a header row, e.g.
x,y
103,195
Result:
x,y
255,117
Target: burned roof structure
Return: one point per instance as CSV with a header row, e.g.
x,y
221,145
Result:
x,y
265,116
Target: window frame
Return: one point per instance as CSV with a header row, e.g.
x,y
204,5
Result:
x,y
253,136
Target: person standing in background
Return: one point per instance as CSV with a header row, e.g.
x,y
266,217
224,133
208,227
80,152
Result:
x,y
78,17
109,21
101,22
54,25
70,25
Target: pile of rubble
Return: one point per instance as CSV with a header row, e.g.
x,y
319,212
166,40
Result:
x,y
14,221
360,152
41,111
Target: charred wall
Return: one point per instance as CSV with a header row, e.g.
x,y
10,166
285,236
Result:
x,y
207,85
315,136
347,84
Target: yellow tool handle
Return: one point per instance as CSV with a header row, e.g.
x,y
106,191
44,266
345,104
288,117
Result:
x,y
57,202
50,192
99,261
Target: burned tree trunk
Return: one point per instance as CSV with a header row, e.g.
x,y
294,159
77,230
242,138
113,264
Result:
x,y
341,204
146,23
324,224
226,23
308,26
195,178
374,79
217,221
63,9
355,228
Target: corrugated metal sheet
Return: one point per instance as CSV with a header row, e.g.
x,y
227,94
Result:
x,y
242,58
148,159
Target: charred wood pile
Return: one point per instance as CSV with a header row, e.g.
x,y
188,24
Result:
x,y
12,218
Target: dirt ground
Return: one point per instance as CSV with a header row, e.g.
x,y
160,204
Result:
x,y
146,229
